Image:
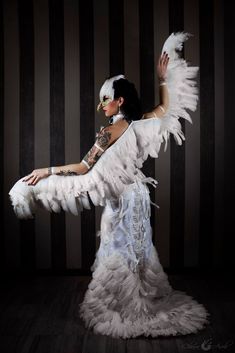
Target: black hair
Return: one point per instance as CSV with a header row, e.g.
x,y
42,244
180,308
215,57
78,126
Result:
x,y
131,106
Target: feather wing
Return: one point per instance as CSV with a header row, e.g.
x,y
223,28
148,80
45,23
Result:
x,y
107,179
183,92
120,164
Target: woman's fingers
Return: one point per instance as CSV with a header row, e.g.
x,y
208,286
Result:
x,y
28,177
165,58
36,180
35,176
164,55
163,61
33,180
162,64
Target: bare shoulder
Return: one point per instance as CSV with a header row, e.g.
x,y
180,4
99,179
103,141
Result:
x,y
109,134
118,129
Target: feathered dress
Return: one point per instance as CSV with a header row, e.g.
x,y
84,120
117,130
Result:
x,y
129,294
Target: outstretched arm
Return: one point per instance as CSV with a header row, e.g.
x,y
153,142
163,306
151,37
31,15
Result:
x,y
162,107
103,141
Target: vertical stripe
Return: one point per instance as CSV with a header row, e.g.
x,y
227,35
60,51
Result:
x,y
116,37
207,133
57,130
11,129
101,72
147,80
192,145
177,197
26,36
42,124
219,131
131,41
162,164
2,243
72,123
227,251
86,41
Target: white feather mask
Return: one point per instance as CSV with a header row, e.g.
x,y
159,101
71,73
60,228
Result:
x,y
107,91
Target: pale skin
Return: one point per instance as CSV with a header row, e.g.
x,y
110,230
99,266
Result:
x,y
109,134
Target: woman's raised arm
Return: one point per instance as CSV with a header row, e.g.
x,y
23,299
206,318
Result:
x,y
162,107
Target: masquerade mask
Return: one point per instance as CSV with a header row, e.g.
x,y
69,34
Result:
x,y
107,91
105,101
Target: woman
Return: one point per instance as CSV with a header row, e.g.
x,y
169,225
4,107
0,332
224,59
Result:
x,y
124,107
129,294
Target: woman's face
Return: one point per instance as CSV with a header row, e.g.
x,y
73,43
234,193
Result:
x,y
112,107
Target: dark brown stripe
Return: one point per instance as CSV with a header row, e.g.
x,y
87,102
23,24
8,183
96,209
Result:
x,y
11,128
192,145
219,133
116,37
162,164
86,38
147,80
72,126
177,182
26,39
2,234
206,25
131,41
57,130
229,116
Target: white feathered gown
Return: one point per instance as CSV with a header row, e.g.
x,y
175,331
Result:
x,y
129,294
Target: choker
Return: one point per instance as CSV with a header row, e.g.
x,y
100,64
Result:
x,y
115,118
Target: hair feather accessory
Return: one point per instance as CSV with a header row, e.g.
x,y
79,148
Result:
x,y
174,43
107,89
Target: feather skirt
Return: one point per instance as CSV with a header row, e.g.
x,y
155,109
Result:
x,y
129,294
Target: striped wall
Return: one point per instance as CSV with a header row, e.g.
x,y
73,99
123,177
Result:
x,y
55,56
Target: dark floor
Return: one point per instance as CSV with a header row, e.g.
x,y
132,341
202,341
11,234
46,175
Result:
x,y
38,315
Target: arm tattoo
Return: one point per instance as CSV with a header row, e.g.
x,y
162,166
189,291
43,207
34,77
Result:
x,y
66,172
102,142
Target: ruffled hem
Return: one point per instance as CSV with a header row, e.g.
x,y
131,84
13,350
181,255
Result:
x,y
123,304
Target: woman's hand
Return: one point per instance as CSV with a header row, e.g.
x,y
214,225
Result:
x,y
36,175
162,66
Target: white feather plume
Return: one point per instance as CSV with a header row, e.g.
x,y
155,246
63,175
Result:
x,y
183,92
174,43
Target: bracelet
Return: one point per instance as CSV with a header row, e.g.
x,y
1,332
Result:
x,y
162,83
51,170
162,108
86,164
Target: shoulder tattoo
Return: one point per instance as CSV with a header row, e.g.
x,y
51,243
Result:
x,y
102,142
104,138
